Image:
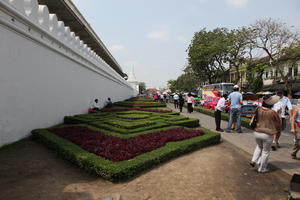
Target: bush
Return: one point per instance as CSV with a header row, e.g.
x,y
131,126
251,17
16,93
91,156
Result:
x,y
116,171
245,121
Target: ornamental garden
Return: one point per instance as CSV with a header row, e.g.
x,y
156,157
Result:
x,y
119,142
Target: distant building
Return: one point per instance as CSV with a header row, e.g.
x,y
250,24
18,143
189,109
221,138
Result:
x,y
272,80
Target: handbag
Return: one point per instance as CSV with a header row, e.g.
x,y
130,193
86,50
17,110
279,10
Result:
x,y
253,120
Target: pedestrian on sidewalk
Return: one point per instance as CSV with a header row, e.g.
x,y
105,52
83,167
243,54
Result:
x,y
218,110
176,97
180,102
236,101
284,103
268,124
190,101
295,129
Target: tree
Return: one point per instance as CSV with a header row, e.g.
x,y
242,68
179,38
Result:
x,y
186,82
207,54
240,44
254,74
273,37
142,87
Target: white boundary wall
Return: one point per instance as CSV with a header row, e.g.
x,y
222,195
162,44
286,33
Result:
x,y
46,72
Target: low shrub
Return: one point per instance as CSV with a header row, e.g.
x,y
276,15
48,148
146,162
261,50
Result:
x,y
116,171
119,149
225,116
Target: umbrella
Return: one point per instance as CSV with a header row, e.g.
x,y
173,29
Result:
x,y
260,93
297,93
249,93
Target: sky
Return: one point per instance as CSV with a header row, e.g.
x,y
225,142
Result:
x,y
152,36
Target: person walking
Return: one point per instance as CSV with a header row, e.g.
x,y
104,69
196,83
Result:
x,y
180,102
268,124
295,129
218,110
284,103
190,100
176,97
236,100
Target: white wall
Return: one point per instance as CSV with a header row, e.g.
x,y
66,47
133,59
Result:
x,y
44,77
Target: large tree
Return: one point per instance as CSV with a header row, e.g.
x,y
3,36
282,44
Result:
x,y
142,87
187,82
273,37
207,53
240,48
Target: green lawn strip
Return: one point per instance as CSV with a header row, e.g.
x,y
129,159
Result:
x,y
116,171
133,116
190,122
245,121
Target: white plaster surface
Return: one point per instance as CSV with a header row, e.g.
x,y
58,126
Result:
x,y
40,83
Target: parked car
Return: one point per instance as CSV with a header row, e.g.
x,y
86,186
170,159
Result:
x,y
210,103
248,110
295,102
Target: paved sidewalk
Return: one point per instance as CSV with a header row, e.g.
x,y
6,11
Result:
x,y
245,141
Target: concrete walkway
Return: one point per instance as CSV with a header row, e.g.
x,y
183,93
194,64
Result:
x,y
245,141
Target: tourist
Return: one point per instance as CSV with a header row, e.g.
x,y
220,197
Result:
x,y
167,98
108,103
155,97
95,105
180,102
268,124
295,124
218,110
190,101
284,103
236,100
176,98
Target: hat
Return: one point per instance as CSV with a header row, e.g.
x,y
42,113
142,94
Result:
x,y
235,87
271,100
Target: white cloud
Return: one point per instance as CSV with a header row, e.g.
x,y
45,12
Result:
x,y
162,34
116,48
181,39
238,3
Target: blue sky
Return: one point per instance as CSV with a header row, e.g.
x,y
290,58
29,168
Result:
x,y
152,36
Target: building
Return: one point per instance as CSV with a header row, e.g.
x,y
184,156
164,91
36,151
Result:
x,y
272,80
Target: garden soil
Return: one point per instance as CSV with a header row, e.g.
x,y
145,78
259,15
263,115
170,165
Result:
x,y
30,171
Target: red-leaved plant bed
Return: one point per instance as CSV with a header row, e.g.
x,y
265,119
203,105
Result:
x,y
118,149
138,109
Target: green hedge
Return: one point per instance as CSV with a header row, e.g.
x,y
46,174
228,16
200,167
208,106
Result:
x,y
245,121
116,171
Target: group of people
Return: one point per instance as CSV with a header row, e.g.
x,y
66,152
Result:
x,y
179,101
268,122
161,97
96,105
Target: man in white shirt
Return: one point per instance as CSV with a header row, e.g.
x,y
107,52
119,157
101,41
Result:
x,y
280,107
218,110
176,97
95,105
286,103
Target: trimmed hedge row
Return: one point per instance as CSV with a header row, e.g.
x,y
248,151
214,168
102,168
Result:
x,y
244,121
140,105
116,171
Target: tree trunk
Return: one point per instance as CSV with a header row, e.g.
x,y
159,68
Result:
x,y
288,87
